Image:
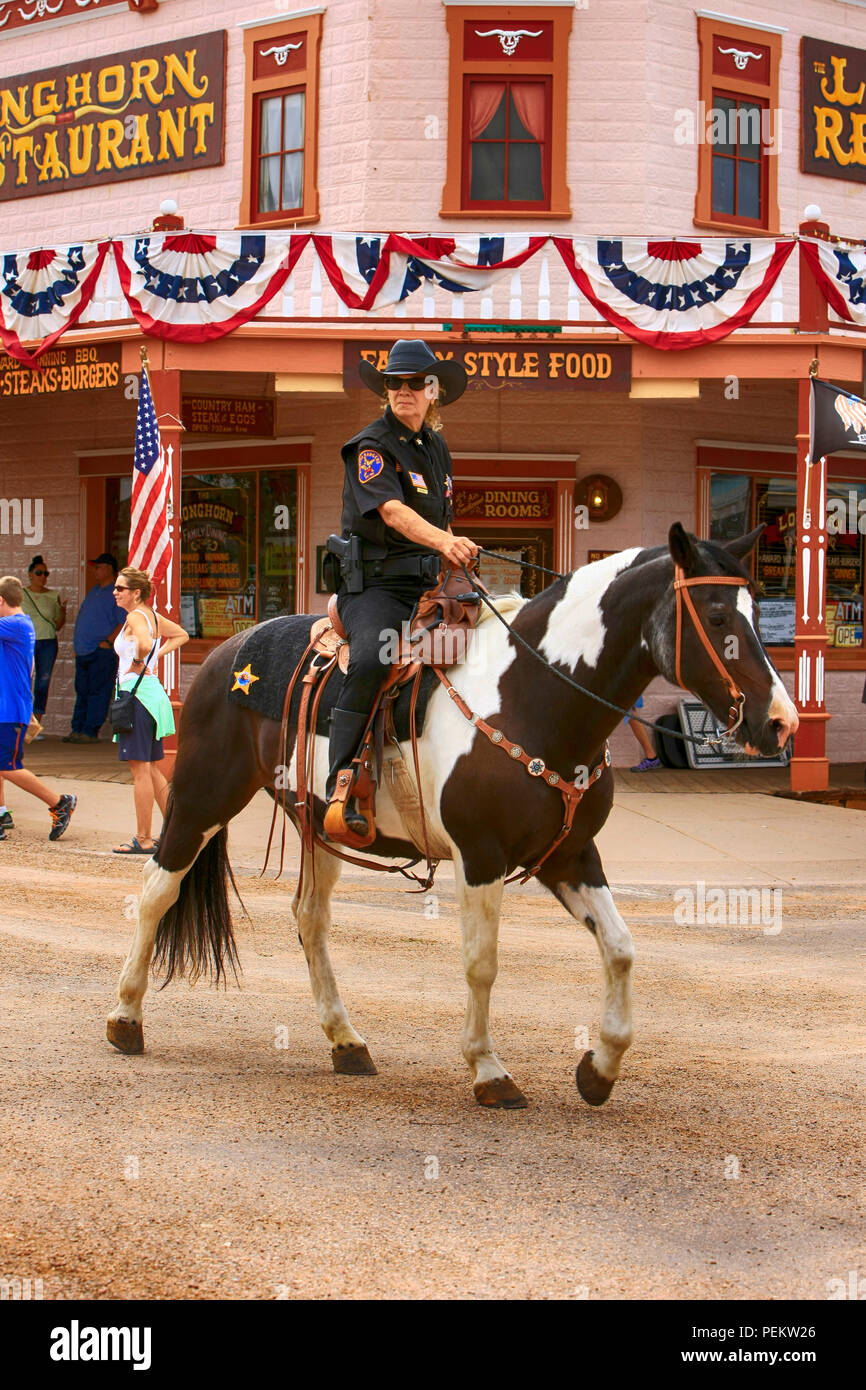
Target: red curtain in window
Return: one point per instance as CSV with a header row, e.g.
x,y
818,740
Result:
x,y
484,99
529,103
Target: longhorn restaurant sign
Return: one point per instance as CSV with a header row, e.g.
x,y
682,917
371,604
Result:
x,y
834,110
156,110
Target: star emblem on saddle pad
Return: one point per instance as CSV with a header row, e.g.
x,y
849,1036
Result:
x,y
244,679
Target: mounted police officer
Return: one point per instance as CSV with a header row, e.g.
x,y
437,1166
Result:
x,y
396,528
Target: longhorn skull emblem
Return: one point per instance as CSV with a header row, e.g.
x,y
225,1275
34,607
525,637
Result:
x,y
40,8
741,56
509,38
281,52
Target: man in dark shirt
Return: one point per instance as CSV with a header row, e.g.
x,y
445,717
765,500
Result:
x,y
98,622
397,499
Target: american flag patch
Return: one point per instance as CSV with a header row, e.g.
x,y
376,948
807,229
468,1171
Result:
x,y
418,481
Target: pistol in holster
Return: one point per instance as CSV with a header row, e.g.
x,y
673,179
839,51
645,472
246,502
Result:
x,y
343,563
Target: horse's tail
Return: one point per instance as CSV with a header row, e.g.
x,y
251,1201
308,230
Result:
x,y
196,936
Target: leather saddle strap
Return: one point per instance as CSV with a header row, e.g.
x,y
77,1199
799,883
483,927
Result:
x,y
571,794
681,588
413,702
313,683
284,727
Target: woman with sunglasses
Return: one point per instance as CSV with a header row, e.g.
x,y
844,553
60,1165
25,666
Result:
x,y
397,513
47,611
144,638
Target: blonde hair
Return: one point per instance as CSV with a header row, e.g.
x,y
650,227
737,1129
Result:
x,y
12,590
138,579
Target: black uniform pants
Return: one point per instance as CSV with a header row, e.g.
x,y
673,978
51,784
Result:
x,y
370,619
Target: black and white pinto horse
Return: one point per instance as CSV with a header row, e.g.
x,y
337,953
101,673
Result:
x,y
611,627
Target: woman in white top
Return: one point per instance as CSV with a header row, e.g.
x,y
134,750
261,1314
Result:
x,y
145,637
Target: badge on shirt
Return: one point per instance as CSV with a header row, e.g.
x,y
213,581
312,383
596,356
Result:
x,y
418,481
370,465
449,488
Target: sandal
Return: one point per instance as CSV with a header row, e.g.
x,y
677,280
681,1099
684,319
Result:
x,y
133,846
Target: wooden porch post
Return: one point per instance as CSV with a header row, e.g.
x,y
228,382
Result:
x,y
810,767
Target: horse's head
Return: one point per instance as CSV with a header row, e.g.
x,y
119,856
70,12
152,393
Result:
x,y
703,635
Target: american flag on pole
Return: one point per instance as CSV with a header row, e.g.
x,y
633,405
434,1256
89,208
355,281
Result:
x,y
149,535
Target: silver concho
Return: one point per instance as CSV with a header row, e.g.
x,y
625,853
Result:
x,y
552,778
607,757
536,767
497,736
515,750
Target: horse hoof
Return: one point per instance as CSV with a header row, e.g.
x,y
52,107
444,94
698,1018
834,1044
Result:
x,y
353,1061
594,1088
125,1035
500,1092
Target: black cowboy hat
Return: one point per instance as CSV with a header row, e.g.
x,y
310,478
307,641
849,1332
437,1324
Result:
x,y
411,357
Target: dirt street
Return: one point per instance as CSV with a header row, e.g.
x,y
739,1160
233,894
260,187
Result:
x,y
229,1162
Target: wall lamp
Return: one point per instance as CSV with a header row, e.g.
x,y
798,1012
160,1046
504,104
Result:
x,y
601,496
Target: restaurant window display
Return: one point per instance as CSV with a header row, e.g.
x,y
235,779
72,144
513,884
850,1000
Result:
x,y
239,547
238,550
740,501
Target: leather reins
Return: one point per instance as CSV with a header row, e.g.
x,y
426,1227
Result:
x,y
681,590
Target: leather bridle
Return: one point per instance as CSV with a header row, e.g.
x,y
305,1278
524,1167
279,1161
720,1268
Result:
x,y
681,589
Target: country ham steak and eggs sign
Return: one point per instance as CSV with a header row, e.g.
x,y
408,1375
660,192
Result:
x,y
156,110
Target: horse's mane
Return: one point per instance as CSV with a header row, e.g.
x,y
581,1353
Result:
x,y
506,604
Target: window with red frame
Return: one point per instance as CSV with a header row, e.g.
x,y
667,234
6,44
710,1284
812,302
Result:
x,y
739,159
278,166
506,134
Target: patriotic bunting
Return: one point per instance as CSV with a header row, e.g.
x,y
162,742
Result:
x,y
841,275
674,294
193,288
45,292
374,272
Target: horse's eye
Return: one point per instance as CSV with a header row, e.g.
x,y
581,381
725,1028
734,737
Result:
x,y
717,618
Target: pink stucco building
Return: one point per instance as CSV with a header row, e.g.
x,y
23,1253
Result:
x,y
613,119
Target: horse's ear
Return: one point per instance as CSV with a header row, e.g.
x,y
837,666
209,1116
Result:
x,y
682,547
744,545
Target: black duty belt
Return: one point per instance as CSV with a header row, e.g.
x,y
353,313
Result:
x,y
414,566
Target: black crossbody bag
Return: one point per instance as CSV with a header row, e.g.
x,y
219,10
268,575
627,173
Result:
x,y
121,711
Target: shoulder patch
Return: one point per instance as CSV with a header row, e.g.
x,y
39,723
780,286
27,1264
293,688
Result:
x,y
370,465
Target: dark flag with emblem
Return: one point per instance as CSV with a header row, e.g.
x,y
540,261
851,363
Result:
x,y
837,420
149,535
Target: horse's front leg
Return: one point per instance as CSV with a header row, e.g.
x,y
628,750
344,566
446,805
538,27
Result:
x,y
479,909
312,909
587,897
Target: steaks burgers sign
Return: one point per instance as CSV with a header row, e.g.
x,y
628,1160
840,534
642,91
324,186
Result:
x,y
156,110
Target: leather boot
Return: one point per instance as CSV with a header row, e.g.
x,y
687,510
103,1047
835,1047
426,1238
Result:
x,y
347,730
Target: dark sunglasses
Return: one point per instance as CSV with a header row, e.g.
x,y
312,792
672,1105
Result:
x,y
43,573
415,383
120,589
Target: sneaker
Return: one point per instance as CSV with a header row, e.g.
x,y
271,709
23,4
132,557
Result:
x,y
74,737
61,814
646,765
6,821
38,738
2,833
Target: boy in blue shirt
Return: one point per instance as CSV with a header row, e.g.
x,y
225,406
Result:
x,y
17,644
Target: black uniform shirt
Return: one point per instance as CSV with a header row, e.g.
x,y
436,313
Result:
x,y
389,460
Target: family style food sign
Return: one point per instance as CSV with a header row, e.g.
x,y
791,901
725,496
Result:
x,y
156,110
540,365
834,110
